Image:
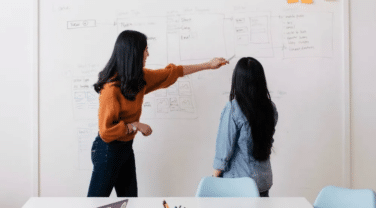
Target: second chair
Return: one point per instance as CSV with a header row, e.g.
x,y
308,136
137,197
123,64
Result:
x,y
338,197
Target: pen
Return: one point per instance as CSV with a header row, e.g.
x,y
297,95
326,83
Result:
x,y
231,58
165,205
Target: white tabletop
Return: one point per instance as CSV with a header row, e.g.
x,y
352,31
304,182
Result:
x,y
151,202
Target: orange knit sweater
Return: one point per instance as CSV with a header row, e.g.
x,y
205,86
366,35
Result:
x,y
115,111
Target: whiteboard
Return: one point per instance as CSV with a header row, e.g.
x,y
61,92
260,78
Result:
x,y
302,48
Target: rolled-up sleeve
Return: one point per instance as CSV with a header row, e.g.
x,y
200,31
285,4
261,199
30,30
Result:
x,y
226,139
110,125
162,78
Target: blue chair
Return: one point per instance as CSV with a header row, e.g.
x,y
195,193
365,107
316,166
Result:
x,y
227,187
337,197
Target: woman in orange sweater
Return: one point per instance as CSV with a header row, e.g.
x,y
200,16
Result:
x,y
122,85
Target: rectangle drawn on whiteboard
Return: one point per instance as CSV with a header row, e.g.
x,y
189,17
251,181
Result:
x,y
240,20
85,99
81,24
174,104
173,89
162,105
186,104
253,34
259,29
86,134
185,88
241,29
201,36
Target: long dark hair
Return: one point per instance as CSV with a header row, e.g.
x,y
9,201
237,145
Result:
x,y
126,63
251,92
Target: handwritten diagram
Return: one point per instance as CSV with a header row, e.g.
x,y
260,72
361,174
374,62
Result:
x,y
177,101
252,34
302,37
198,40
85,99
206,35
86,133
191,37
81,24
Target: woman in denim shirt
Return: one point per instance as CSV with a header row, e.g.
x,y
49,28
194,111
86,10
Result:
x,y
247,126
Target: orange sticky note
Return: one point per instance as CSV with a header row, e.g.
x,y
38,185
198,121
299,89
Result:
x,y
307,1
292,1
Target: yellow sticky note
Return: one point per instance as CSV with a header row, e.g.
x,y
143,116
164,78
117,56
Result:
x,y
307,1
292,1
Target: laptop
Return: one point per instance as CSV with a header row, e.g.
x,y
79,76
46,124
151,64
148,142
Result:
x,y
119,204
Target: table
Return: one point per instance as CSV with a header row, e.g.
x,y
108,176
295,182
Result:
x,y
156,202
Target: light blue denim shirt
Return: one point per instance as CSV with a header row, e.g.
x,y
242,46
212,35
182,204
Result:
x,y
233,154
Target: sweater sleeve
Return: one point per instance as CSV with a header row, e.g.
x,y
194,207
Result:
x,y
226,139
110,126
162,78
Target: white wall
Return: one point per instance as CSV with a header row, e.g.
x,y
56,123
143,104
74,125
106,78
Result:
x,y
16,114
67,140
16,50
363,103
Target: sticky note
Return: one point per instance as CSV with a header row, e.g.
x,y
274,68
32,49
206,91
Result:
x,y
292,1
307,1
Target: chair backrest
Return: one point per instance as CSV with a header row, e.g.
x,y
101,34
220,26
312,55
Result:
x,y
333,197
227,187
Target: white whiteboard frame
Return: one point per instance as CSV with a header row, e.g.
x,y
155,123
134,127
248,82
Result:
x,y
347,171
35,102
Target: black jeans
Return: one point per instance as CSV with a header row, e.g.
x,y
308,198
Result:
x,y
114,166
264,194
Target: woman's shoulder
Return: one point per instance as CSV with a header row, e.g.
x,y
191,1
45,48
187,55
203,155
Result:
x,y
146,70
236,112
111,88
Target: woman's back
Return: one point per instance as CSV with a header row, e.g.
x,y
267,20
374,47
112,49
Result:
x,y
241,163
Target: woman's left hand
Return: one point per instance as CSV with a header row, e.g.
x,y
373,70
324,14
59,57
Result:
x,y
144,128
217,173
